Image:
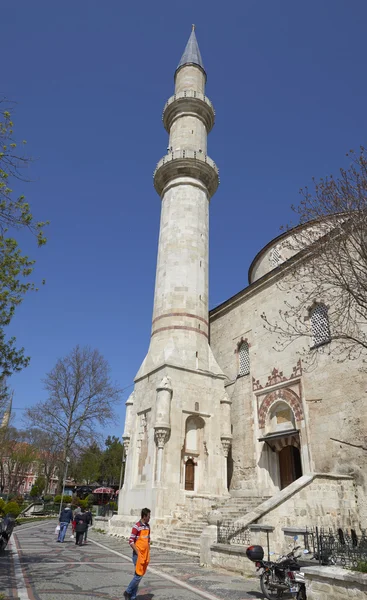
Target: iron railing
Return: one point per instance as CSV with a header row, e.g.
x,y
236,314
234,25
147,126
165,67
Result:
x,y
344,548
230,534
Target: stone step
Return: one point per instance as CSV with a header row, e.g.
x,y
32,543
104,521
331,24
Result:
x,y
186,548
182,536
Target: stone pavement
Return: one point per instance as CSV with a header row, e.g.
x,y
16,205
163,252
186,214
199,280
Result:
x,y
36,567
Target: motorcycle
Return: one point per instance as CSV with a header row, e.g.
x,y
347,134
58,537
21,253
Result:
x,y
281,579
7,525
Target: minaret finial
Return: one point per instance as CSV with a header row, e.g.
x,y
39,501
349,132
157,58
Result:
x,y
191,55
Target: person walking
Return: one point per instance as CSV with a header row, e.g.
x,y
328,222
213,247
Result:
x,y
66,516
89,521
77,511
140,543
80,527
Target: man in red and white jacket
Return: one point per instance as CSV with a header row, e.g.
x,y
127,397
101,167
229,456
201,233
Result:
x,y
140,543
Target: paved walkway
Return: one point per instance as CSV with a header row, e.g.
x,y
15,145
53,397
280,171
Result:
x,y
35,567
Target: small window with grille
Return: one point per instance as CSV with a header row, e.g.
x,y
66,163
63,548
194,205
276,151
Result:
x,y
244,359
275,257
320,325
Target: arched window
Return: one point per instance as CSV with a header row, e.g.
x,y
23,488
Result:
x,y
244,359
320,324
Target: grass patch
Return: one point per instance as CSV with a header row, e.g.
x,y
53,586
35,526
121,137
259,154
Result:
x,y
361,567
97,530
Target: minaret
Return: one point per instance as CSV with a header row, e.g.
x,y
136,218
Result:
x,y
185,178
177,426
7,414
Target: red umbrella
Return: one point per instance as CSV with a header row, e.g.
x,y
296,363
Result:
x,y
103,490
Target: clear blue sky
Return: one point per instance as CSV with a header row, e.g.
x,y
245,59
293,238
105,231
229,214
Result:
x,y
288,81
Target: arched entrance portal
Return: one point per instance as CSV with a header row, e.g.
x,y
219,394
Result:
x,y
190,475
290,466
281,454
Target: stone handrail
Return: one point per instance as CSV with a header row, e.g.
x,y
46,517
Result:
x,y
191,154
189,94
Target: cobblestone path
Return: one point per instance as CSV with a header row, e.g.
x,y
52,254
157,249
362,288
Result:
x,y
36,567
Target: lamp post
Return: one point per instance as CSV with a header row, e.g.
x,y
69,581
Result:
x,y
63,485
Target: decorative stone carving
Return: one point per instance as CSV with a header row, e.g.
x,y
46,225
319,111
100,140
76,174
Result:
x,y
286,394
226,444
277,377
126,443
161,435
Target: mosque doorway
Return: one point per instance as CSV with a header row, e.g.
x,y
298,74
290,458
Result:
x,y
290,466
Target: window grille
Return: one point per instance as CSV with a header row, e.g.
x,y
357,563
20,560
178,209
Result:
x,y
320,324
275,257
244,359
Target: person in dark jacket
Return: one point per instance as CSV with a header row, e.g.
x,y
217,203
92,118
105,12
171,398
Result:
x,y
89,522
66,516
80,527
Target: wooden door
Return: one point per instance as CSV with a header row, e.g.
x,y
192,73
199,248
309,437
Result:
x,y
290,467
286,466
190,475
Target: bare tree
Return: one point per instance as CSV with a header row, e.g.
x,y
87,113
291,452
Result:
x,y
327,266
81,396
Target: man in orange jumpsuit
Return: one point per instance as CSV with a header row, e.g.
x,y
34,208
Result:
x,y
140,543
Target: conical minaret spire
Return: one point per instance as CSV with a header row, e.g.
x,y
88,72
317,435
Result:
x,y
191,55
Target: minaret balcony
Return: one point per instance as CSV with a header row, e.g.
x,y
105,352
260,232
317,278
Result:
x,y
186,163
189,102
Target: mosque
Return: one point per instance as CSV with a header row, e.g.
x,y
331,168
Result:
x,y
217,417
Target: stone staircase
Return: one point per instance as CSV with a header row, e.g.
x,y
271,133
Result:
x,y
185,537
234,508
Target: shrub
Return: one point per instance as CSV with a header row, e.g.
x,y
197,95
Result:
x,y
65,498
12,508
2,506
113,505
48,498
361,567
90,500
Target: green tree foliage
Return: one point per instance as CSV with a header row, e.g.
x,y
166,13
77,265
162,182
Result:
x,y
15,267
112,461
11,508
86,468
38,487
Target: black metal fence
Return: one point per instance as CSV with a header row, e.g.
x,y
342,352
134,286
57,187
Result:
x,y
345,548
229,534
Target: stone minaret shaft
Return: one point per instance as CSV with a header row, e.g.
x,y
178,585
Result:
x,y
185,179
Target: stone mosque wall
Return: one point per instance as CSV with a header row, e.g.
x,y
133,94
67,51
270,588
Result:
x,y
328,401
